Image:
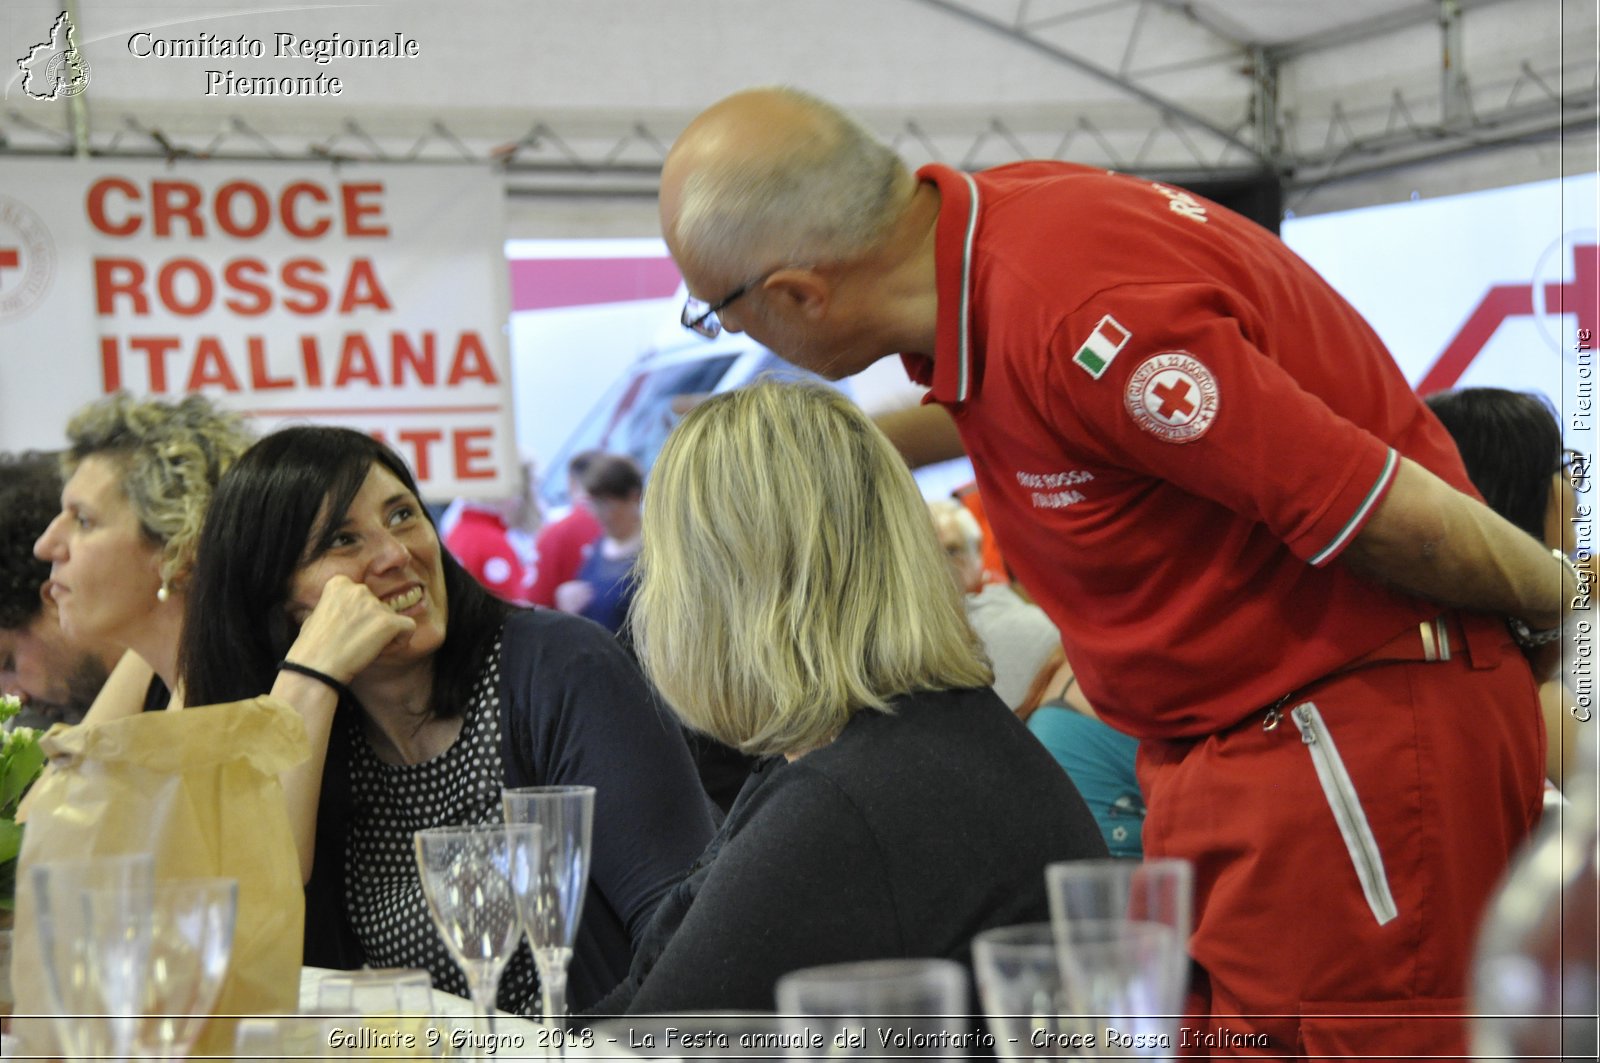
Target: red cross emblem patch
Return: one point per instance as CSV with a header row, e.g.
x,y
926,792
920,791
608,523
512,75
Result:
x,y
1173,397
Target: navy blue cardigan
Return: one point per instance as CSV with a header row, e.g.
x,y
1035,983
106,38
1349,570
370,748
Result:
x,y
575,709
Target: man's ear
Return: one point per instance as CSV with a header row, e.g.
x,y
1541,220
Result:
x,y
801,288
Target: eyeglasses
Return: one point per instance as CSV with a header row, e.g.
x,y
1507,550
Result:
x,y
701,317
1575,464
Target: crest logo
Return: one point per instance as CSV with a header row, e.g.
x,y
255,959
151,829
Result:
x,y
27,259
55,68
1173,397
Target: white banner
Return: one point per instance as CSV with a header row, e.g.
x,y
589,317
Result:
x,y
368,296
1488,289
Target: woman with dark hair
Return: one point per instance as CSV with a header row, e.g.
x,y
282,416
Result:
x,y
1510,442
321,578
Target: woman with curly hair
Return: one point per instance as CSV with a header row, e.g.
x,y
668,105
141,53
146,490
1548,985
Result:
x,y
139,474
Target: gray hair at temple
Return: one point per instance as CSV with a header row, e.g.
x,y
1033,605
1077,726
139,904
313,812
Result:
x,y
826,197
790,576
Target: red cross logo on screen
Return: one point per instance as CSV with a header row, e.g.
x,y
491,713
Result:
x,y
1580,297
27,258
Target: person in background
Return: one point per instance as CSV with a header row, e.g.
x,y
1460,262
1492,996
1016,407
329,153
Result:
x,y
55,676
484,536
1252,536
799,610
321,579
140,473
1512,446
1017,635
1099,758
602,591
561,546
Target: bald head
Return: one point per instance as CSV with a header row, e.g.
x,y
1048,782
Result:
x,y
773,176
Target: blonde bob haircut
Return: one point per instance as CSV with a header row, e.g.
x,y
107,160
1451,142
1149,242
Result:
x,y
170,456
790,576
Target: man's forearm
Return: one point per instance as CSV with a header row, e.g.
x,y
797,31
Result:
x,y
1431,540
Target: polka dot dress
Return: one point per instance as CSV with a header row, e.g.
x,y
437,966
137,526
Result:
x,y
394,801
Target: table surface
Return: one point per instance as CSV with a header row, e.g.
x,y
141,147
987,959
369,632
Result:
x,y
516,1037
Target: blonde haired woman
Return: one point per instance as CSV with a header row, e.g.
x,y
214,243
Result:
x,y
793,602
139,475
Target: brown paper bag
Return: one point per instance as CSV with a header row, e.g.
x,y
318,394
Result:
x,y
199,790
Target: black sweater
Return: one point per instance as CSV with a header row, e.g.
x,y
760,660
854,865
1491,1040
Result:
x,y
904,837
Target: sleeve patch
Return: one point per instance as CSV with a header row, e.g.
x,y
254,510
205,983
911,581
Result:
x,y
1096,353
1173,396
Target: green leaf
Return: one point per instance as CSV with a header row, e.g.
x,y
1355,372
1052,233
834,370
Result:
x,y
22,767
10,840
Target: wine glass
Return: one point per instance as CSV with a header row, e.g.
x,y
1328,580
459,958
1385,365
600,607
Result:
x,y
903,1007
191,940
552,907
93,918
467,875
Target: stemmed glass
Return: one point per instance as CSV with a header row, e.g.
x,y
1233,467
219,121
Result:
x,y
94,932
191,940
552,907
467,874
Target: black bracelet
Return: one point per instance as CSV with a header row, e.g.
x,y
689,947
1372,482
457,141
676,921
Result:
x,y
344,692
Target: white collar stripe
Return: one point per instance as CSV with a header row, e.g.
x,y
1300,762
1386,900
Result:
x,y
963,379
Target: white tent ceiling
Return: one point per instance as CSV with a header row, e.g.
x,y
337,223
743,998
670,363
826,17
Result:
x,y
1350,101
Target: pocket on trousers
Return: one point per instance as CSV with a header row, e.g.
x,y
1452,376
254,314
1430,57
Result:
x,y
1345,804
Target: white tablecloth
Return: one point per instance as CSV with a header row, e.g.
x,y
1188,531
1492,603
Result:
x,y
516,1037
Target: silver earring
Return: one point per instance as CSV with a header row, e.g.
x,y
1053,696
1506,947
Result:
x,y
163,593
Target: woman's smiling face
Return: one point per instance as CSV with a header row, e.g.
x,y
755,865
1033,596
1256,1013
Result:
x,y
385,542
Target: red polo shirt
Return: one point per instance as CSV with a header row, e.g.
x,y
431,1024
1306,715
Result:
x,y
1176,426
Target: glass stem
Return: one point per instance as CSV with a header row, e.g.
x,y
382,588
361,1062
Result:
x,y
553,994
483,993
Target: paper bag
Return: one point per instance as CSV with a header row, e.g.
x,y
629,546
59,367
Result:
x,y
199,790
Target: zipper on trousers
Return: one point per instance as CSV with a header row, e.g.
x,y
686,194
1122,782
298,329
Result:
x,y
1345,804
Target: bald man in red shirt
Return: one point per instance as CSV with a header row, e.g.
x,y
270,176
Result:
x,y
1262,551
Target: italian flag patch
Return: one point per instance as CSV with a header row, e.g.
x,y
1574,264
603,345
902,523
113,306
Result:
x,y
1108,337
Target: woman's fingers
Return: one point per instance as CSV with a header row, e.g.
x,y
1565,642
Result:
x,y
347,629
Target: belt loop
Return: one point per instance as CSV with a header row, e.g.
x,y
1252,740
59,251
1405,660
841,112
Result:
x,y
1430,644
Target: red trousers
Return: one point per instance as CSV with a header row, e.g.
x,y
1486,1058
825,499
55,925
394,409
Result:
x,y
1346,843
